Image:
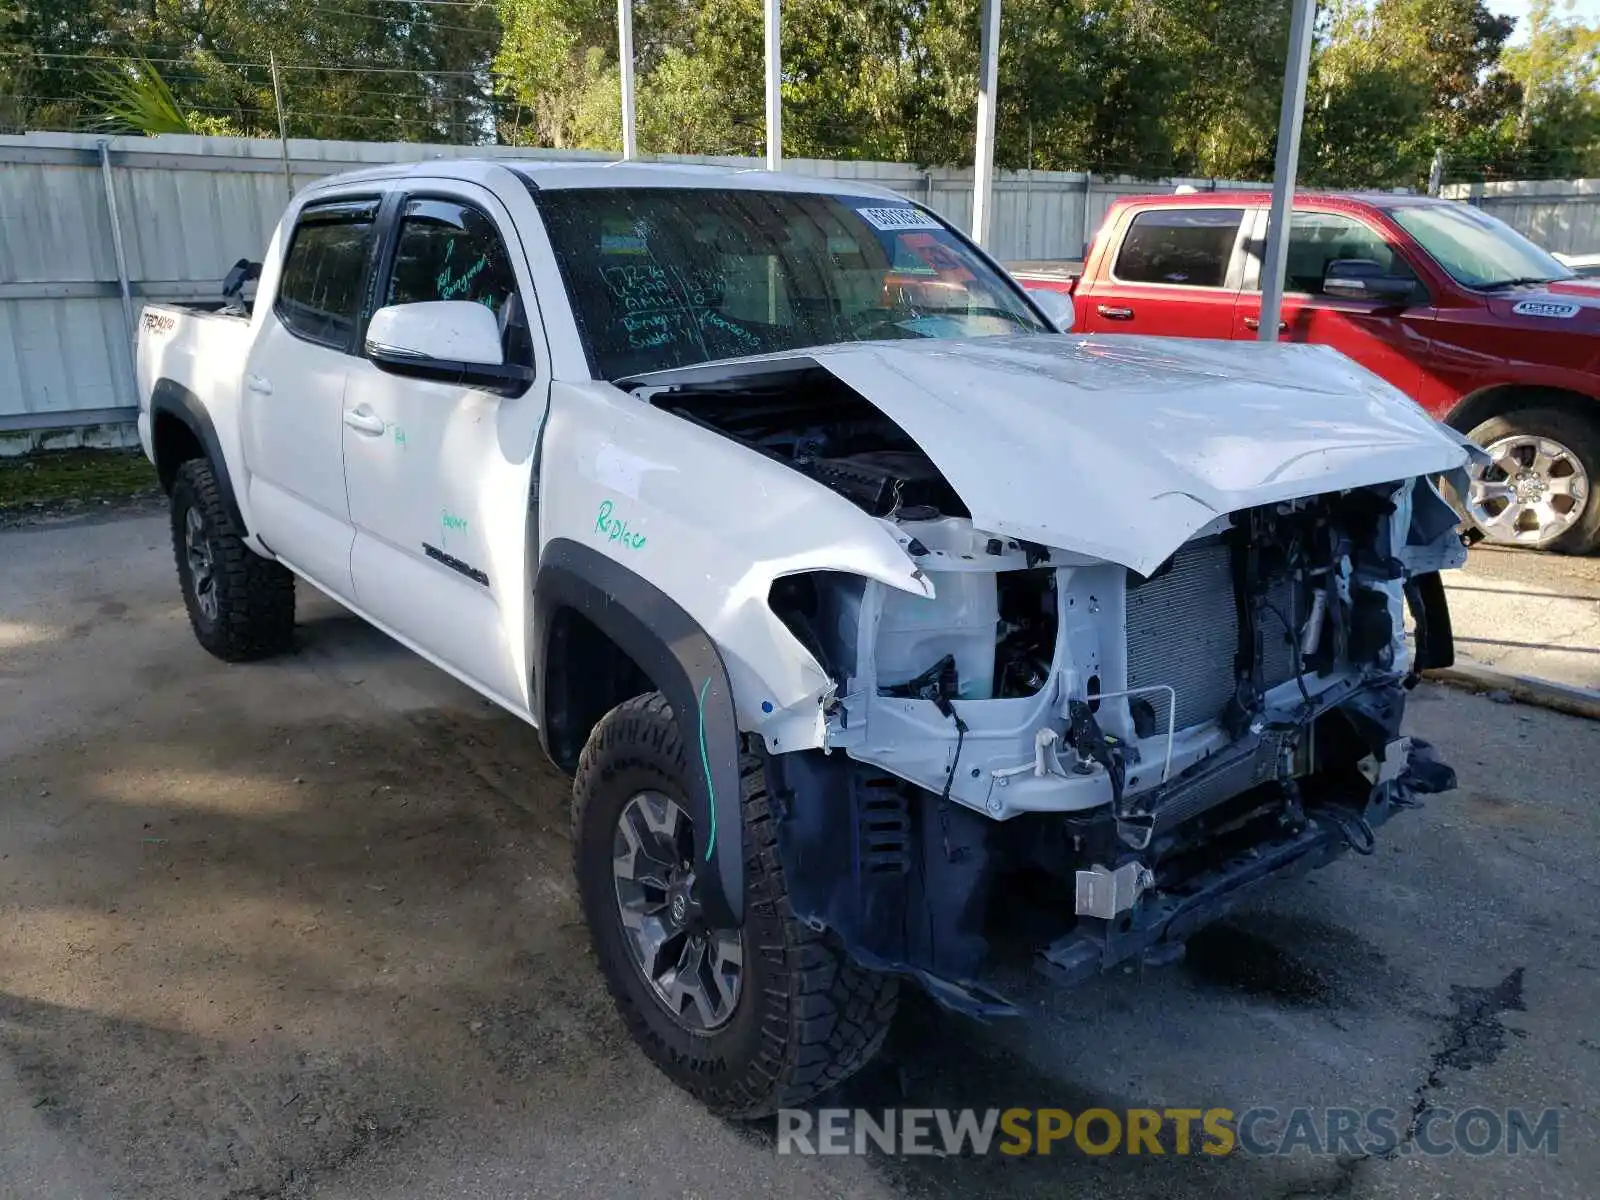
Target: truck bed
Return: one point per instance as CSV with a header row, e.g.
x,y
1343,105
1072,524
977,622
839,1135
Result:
x,y
196,350
1055,274
174,338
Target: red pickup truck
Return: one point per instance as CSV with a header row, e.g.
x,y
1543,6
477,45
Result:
x,y
1477,324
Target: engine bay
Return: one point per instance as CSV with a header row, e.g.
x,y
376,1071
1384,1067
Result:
x,y
813,422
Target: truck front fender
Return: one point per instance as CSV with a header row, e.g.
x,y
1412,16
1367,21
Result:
x,y
685,666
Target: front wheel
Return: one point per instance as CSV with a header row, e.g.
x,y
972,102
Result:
x,y
1538,489
747,1020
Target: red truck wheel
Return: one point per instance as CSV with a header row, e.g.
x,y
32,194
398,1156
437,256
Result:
x,y
1539,489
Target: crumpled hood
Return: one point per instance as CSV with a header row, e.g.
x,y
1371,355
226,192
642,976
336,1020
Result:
x,y
1123,448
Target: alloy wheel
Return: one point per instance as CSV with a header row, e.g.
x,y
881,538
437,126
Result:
x,y
1531,492
694,971
202,565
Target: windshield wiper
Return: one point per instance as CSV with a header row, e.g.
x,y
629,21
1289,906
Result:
x,y
1520,282
976,310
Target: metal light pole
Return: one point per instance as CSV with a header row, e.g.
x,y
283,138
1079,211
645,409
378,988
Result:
x,y
1290,118
983,160
283,125
630,142
774,89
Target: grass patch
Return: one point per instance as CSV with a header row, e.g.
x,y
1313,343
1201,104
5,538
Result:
x,y
52,479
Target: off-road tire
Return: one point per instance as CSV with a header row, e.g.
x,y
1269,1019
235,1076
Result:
x,y
807,1017
1579,434
255,596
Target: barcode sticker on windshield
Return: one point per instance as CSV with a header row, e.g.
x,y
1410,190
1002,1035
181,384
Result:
x,y
893,220
1553,309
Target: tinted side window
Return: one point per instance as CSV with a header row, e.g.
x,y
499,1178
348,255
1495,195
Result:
x,y
1188,246
1317,239
452,251
320,292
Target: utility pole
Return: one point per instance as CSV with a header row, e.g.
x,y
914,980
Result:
x,y
983,160
774,89
283,125
1291,116
630,143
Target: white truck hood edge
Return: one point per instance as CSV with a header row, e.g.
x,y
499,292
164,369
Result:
x,y
1123,448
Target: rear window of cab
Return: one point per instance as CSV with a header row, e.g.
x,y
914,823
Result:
x,y
1187,247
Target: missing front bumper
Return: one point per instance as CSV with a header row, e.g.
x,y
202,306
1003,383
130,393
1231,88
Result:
x,y
1154,929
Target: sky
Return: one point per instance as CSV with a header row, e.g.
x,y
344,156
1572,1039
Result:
x,y
1585,10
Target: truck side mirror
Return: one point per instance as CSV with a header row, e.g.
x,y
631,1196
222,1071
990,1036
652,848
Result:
x,y
451,341
242,272
1057,307
1364,279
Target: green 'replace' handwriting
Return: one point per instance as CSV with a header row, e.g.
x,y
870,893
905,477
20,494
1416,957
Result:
x,y
615,528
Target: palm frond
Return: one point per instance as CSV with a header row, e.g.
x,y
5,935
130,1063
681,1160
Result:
x,y
133,98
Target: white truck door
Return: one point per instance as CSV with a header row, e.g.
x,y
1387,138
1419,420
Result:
x,y
439,473
292,396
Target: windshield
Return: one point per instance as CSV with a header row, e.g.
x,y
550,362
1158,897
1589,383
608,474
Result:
x,y
1475,248
671,277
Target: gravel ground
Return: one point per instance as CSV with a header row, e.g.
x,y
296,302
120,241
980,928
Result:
x,y
306,928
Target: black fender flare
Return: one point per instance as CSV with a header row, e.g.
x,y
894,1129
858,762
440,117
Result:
x,y
171,398
687,668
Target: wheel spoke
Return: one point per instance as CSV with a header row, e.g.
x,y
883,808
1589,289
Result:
x,y
1506,519
660,815
726,965
1550,518
684,984
1505,455
650,935
1567,485
648,863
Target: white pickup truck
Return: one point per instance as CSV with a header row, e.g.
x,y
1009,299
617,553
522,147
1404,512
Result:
x,y
859,596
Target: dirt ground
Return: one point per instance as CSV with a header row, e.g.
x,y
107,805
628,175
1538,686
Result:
x,y
306,928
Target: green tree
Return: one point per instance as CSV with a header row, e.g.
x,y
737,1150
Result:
x,y
1144,87
1557,128
1396,80
396,70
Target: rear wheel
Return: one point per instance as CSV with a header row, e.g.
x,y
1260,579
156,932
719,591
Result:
x,y
241,606
747,1020
1538,489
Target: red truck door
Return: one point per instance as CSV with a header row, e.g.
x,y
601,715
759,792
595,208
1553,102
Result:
x,y
1388,339
1176,272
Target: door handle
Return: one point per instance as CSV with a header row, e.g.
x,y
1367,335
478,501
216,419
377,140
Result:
x,y
1255,323
364,420
1115,314
259,384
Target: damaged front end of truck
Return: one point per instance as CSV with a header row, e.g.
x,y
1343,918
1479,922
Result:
x,y
1120,712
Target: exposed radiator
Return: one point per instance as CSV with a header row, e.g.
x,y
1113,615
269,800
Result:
x,y
1183,631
